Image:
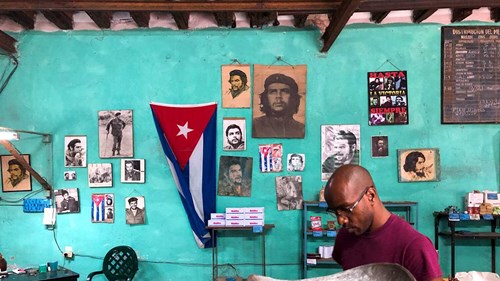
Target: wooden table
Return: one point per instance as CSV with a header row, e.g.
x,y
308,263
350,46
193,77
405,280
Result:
x,y
62,274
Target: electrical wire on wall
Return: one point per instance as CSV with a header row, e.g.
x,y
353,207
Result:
x,y
5,78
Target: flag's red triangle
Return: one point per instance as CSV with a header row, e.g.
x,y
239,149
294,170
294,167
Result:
x,y
183,126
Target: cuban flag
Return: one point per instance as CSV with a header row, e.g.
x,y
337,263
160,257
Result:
x,y
98,213
188,137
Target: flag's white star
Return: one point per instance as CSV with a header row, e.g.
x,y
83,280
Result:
x,y
184,130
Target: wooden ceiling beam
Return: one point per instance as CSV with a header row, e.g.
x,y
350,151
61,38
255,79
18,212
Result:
x,y
181,19
495,14
299,21
7,43
458,15
297,6
225,19
378,17
140,18
340,18
25,18
260,19
62,19
102,19
419,16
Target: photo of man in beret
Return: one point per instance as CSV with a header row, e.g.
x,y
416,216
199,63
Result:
x,y
279,102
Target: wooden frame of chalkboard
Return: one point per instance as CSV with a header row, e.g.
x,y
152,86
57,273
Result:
x,y
470,74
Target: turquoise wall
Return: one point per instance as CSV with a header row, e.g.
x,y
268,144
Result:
x,y
65,78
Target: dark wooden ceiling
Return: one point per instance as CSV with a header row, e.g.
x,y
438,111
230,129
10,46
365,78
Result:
x,y
260,12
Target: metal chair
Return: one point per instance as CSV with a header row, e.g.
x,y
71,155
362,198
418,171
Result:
x,y
120,263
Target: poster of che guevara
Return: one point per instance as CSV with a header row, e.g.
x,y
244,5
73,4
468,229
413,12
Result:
x,y
387,98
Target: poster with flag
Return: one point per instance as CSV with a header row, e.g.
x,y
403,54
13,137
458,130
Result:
x,y
188,137
103,207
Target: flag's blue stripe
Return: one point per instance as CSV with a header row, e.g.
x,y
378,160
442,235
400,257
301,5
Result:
x,y
209,167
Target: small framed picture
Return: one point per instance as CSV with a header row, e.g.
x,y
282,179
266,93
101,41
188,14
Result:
x,y
67,200
236,86
69,175
418,164
103,207
116,134
100,175
75,154
296,162
132,170
14,176
135,210
380,146
234,133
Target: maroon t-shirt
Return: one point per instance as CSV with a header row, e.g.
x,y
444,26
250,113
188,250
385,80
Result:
x,y
395,242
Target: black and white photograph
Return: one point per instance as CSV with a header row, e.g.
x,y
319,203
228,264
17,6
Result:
x,y
289,193
296,162
132,170
69,175
235,176
340,145
100,175
135,210
279,101
380,146
67,200
15,177
116,134
103,207
236,86
75,154
234,133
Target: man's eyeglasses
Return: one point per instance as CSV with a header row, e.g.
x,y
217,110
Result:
x,y
346,211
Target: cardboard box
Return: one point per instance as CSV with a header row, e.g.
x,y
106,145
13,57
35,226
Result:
x,y
216,222
235,210
235,216
474,198
254,216
217,216
491,197
254,222
235,223
253,210
224,278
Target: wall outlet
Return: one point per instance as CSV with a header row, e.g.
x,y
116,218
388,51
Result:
x,y
68,252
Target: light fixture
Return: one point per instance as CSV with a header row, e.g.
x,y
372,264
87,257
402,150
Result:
x,y
7,134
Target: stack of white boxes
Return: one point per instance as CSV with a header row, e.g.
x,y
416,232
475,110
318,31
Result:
x,y
238,217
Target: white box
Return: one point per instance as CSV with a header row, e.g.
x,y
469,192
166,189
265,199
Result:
x,y
255,216
216,222
234,211
253,210
474,198
235,216
217,216
253,222
491,197
235,222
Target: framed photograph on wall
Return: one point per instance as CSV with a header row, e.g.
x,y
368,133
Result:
x,y
67,200
103,207
100,175
289,193
132,170
235,176
75,154
380,146
418,164
279,101
236,86
116,134
14,176
340,145
234,133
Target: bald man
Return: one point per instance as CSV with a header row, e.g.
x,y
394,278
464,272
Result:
x,y
372,234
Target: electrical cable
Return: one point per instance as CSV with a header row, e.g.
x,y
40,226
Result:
x,y
16,64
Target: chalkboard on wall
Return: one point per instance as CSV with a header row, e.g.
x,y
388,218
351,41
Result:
x,y
470,74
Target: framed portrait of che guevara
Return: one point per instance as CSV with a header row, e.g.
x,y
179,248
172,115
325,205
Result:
x,y
279,101
116,134
236,86
418,164
14,176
